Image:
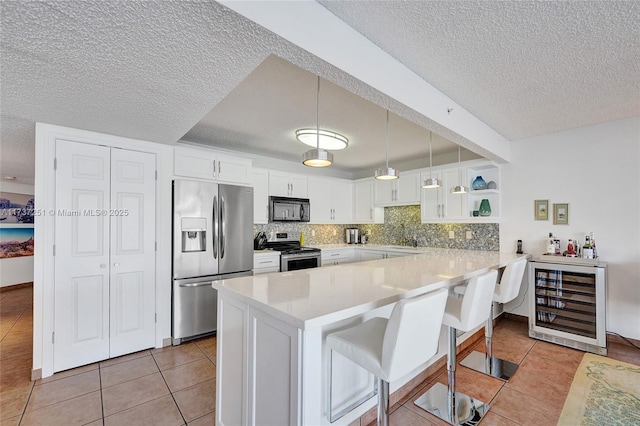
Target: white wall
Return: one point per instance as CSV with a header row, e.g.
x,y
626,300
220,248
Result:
x,y
20,269
596,169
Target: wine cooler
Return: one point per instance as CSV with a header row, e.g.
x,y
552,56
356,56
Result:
x,y
567,303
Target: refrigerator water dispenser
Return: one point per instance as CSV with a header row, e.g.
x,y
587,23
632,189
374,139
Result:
x,y
194,230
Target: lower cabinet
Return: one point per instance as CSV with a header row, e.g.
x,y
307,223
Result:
x,y
378,254
258,367
265,263
337,256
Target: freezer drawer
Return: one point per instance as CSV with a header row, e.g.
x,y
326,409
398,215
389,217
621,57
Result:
x,y
194,310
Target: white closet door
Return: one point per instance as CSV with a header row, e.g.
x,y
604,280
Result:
x,y
81,318
132,323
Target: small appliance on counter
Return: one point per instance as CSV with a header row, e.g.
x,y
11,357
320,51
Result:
x,y
260,241
352,235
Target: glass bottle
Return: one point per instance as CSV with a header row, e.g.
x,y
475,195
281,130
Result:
x,y
587,251
593,245
551,245
485,208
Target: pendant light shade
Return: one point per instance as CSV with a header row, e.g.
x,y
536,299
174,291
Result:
x,y
431,182
387,173
317,157
459,189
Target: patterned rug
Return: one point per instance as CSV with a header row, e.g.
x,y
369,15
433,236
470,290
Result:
x,y
603,392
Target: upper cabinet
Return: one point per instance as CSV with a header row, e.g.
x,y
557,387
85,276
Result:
x,y
364,209
212,165
285,184
260,183
440,205
398,192
331,200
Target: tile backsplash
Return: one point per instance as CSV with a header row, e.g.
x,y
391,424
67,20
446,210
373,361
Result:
x,y
401,225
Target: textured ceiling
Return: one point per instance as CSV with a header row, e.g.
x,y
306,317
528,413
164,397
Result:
x,y
523,67
154,69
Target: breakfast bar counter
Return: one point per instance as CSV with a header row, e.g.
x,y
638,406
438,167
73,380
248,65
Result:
x,y
272,365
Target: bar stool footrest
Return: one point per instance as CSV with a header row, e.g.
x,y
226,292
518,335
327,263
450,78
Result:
x,y
435,401
496,367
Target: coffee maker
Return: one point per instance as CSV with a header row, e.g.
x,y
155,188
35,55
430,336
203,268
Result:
x,y
351,235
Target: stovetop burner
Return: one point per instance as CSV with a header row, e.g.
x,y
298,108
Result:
x,y
287,243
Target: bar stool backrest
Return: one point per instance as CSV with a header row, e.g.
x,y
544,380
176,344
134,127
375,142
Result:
x,y
509,285
476,302
412,333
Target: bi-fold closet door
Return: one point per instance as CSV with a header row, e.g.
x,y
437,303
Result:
x,y
104,297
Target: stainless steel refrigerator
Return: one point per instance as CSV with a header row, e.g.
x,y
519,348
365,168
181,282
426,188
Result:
x,y
212,239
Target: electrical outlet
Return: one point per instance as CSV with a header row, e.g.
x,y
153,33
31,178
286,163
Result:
x,y
452,234
335,232
369,232
469,235
313,232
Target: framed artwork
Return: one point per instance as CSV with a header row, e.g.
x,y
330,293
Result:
x,y
16,208
541,211
16,242
561,214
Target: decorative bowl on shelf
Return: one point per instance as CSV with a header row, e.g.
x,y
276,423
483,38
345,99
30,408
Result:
x,y
479,183
492,185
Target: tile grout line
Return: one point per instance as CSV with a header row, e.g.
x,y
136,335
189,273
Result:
x,y
169,389
101,398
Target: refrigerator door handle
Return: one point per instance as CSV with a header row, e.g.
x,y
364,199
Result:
x,y
223,228
214,240
208,283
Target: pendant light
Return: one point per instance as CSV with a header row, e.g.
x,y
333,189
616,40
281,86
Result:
x,y
317,157
431,182
387,173
459,189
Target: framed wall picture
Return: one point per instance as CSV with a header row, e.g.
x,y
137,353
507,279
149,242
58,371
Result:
x,y
561,214
541,209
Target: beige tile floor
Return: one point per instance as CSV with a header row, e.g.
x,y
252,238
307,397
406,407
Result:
x,y
176,385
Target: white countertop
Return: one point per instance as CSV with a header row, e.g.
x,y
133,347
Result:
x,y
315,297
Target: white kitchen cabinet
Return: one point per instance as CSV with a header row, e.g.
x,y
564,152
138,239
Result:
x,y
398,192
488,172
337,256
104,288
379,253
265,262
212,165
365,211
285,184
268,351
439,204
260,183
331,200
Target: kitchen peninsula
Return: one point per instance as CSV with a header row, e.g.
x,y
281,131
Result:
x,y
273,367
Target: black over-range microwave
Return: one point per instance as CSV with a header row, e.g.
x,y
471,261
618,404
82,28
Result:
x,y
286,209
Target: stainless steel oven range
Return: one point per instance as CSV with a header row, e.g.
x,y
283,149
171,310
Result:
x,y
292,255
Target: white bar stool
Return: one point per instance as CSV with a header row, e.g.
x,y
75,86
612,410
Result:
x,y
463,314
391,348
506,291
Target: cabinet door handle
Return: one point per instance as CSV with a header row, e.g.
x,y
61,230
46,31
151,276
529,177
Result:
x,y
219,168
214,169
266,261
370,214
